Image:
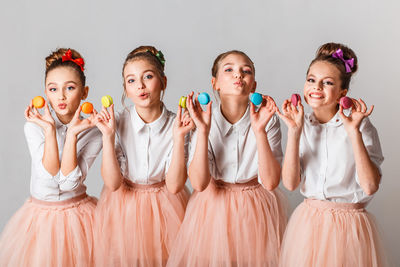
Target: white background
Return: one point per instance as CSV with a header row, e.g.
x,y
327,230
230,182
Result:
x,y
280,36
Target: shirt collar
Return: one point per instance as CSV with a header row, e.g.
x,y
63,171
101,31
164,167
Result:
x,y
241,126
139,124
336,120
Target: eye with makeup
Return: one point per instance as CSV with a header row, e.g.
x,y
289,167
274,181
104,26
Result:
x,y
310,80
247,71
328,83
228,70
52,89
130,81
70,88
148,76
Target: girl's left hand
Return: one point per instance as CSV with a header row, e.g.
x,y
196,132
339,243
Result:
x,y
183,123
358,113
77,125
259,119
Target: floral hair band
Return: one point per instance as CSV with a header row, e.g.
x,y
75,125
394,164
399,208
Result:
x,y
159,56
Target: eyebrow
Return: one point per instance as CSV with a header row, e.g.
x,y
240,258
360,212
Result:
x,y
51,83
133,75
247,65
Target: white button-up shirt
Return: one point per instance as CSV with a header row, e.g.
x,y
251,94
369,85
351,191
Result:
x,y
144,150
328,169
232,148
45,186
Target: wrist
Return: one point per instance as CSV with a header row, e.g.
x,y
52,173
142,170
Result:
x,y
354,133
49,130
109,138
294,133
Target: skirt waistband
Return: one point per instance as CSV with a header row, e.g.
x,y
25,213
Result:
x,y
239,186
324,204
58,203
134,186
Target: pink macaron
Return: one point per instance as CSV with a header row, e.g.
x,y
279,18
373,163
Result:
x,y
295,99
346,102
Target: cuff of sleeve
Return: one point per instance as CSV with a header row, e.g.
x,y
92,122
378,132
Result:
x,y
43,173
70,181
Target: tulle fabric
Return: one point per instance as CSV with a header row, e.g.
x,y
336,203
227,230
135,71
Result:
x,y
323,233
45,234
137,224
231,225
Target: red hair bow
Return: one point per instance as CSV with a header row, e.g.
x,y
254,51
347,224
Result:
x,y
68,57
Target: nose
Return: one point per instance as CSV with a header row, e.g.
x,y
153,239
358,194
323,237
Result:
x,y
140,84
319,86
61,94
238,74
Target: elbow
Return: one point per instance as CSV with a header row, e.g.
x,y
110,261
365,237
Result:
x,y
174,189
113,186
201,186
289,185
271,186
371,189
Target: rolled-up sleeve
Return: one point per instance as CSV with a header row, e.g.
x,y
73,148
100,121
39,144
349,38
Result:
x,y
274,135
35,138
86,155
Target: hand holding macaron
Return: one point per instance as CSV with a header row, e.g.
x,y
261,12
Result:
x,y
202,119
45,121
293,113
358,112
260,118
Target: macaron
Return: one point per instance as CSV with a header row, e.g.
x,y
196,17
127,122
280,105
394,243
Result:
x,y
38,102
182,101
106,101
203,98
87,108
256,99
346,102
295,99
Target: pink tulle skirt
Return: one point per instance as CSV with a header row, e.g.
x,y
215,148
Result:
x,y
329,234
231,225
47,234
137,224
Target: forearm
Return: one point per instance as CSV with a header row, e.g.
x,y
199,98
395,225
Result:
x,y
368,173
291,162
110,169
269,169
177,173
50,159
199,172
69,159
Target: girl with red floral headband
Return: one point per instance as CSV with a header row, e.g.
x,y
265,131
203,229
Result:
x,y
54,227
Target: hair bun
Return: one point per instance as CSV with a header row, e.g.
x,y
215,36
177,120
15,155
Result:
x,y
326,50
58,54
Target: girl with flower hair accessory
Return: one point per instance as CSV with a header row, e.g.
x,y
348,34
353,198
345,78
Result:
x,y
55,225
236,216
334,156
144,198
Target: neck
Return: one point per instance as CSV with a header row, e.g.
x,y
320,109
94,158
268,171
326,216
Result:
x,y
324,115
65,119
233,108
149,114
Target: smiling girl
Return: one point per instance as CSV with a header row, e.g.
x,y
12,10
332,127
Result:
x,y
54,226
335,157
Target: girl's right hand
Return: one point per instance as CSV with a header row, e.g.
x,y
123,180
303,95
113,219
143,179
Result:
x,y
105,121
292,116
202,119
45,121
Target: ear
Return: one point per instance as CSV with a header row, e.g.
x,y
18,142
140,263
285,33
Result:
x,y
214,83
85,92
254,87
165,82
343,93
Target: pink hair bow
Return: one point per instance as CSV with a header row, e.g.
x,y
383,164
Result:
x,y
349,63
